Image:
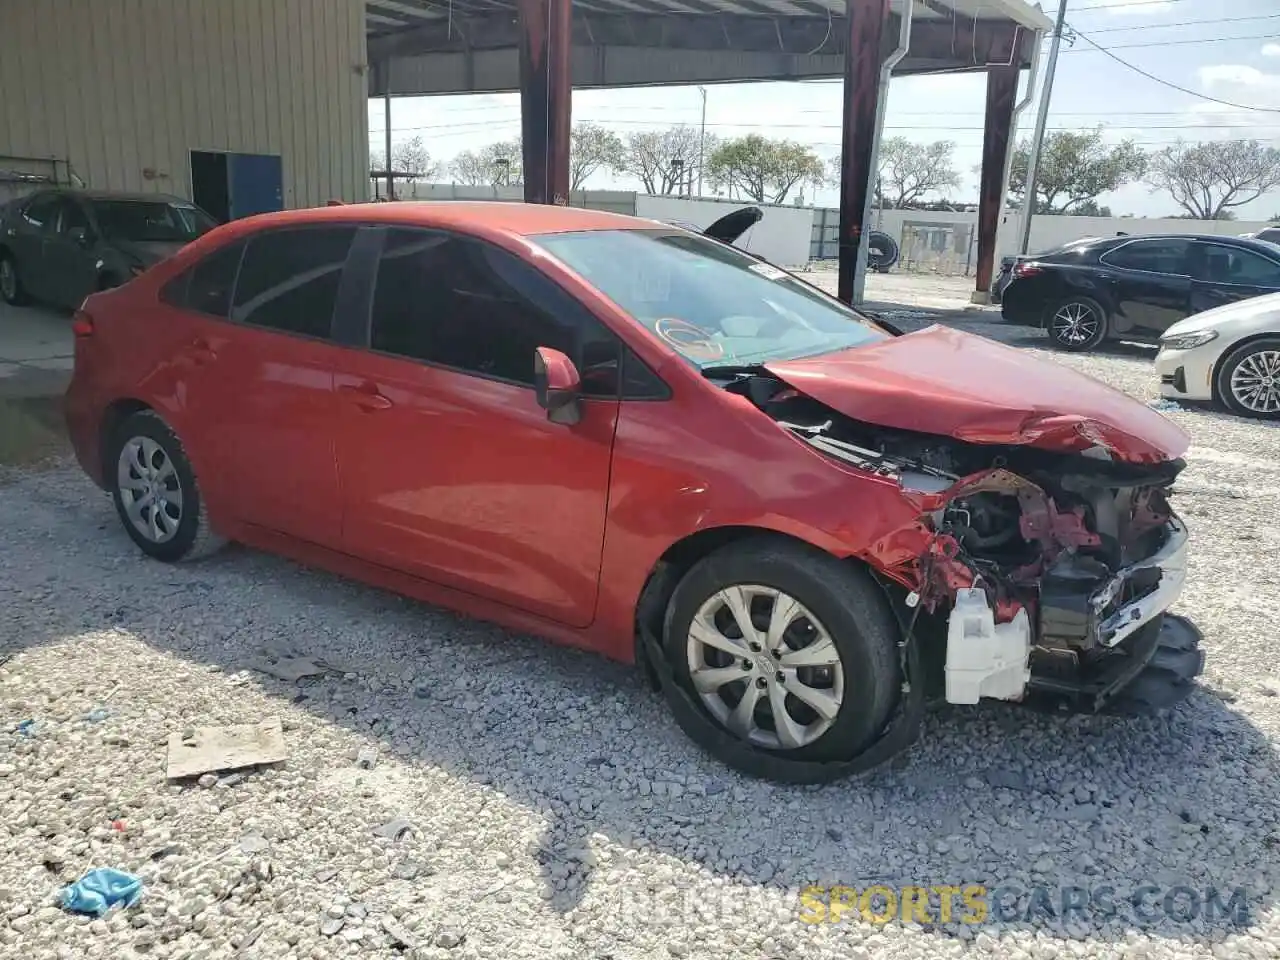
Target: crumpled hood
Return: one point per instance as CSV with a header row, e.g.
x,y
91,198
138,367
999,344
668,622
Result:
x,y
942,381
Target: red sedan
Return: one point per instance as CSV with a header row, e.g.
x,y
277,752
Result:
x,y
628,437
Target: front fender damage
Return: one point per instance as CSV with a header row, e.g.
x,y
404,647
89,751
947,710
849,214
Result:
x,y
1046,574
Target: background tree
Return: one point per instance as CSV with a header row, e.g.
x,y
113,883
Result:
x,y
663,160
909,170
593,148
1208,179
761,169
484,167
1075,168
411,157
377,160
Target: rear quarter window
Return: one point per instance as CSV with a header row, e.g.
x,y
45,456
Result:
x,y
207,286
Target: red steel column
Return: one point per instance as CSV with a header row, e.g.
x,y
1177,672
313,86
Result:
x,y
862,59
1002,94
545,95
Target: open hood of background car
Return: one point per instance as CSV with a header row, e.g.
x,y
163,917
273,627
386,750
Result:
x,y
945,382
729,227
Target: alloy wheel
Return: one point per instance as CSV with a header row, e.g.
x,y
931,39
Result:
x,y
149,489
1255,382
765,667
1075,323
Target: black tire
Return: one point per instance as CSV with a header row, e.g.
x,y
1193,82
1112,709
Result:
x,y
192,538
1227,367
11,288
1097,323
848,604
108,281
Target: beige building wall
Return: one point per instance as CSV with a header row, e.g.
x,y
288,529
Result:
x,y
123,90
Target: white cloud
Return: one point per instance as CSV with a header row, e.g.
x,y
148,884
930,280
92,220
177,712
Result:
x,y
1271,50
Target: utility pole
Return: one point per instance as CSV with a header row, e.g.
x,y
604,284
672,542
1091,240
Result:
x,y
702,137
1037,140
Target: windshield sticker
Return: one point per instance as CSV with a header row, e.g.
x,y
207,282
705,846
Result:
x,y
768,271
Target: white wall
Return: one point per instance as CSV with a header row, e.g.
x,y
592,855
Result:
x,y
614,201
782,237
1048,232
125,89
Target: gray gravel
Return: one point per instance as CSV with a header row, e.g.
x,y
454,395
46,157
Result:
x,y
552,808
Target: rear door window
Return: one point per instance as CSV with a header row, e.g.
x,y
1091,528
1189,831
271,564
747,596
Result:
x,y
289,279
1162,255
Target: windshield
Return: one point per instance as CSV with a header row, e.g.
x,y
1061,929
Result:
x,y
714,304
150,221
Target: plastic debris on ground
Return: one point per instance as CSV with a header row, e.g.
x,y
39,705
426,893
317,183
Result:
x,y
99,890
97,715
1165,406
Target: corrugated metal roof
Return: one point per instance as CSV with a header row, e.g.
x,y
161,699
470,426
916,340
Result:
x,y
389,16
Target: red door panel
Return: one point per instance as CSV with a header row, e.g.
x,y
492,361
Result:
x,y
264,408
463,480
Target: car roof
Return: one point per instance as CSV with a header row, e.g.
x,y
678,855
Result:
x,y
113,195
520,219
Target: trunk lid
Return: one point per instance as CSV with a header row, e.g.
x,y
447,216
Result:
x,y
949,383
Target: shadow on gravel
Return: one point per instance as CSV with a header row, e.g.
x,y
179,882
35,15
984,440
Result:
x,y
1163,826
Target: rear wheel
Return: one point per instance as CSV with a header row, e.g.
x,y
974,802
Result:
x,y
11,289
1077,323
788,650
155,491
1248,380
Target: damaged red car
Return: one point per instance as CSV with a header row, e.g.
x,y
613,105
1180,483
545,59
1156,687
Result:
x,y
636,439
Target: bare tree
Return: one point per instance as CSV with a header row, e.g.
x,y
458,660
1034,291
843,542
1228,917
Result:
x,y
410,157
1208,179
663,159
761,169
909,170
498,164
593,148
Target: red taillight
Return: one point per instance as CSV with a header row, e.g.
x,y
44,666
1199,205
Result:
x,y
82,324
1026,269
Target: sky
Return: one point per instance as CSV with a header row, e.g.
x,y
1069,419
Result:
x,y
1223,49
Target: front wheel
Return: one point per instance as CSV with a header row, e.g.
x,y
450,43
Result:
x,y
11,289
790,651
1077,324
1248,380
155,491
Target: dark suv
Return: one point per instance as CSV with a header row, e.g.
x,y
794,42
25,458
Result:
x,y
59,246
1134,288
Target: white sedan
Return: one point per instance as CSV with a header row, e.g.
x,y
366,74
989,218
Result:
x,y
1230,354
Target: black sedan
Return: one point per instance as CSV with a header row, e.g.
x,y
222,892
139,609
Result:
x,y
59,246
1134,288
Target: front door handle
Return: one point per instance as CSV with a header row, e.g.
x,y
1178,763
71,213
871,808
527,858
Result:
x,y
366,397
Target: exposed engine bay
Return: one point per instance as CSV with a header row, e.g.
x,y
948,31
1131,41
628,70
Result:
x,y
1038,571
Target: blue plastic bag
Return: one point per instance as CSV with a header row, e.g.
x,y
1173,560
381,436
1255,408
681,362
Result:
x,y
99,890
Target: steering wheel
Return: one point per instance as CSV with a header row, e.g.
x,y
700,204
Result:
x,y
691,340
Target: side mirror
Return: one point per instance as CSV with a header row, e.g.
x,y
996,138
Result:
x,y
79,235
557,386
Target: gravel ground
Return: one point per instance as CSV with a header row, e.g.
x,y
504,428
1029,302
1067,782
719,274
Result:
x,y
556,811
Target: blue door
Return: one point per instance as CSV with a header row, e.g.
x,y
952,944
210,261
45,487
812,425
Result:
x,y
257,183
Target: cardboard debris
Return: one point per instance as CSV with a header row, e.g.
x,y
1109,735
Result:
x,y
213,749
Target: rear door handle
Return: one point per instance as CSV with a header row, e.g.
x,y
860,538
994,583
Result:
x,y
365,397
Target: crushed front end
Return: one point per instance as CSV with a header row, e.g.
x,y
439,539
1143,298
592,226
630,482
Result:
x,y
1033,575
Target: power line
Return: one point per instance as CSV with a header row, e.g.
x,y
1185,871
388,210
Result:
x,y
1252,38
1185,23
1128,3
1160,80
